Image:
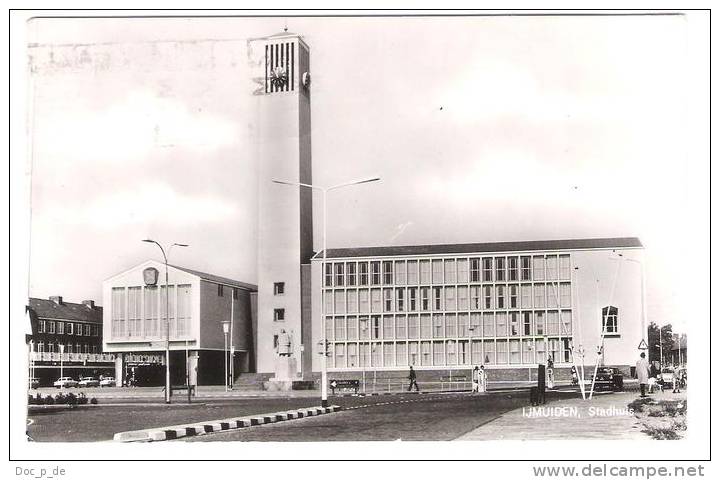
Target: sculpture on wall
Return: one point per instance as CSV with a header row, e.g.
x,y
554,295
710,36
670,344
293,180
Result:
x,y
284,344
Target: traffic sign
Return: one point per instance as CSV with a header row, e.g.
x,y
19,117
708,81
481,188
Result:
x,y
643,345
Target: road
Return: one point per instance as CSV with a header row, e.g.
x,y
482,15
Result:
x,y
383,417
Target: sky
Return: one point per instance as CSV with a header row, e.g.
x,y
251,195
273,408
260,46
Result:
x,y
489,128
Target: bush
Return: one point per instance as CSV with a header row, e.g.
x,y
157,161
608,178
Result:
x,y
93,401
71,399
49,400
60,399
82,399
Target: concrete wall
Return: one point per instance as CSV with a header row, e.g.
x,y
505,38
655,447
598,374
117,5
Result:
x,y
215,309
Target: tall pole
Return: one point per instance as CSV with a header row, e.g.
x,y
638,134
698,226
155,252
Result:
x,y
62,348
225,360
323,374
232,346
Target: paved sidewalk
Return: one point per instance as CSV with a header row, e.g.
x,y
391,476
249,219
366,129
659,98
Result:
x,y
605,417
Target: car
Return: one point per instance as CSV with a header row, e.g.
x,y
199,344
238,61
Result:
x,y
89,382
665,378
34,383
609,378
65,382
107,382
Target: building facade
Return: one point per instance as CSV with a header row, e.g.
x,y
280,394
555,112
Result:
x,y
66,336
508,306
135,321
280,69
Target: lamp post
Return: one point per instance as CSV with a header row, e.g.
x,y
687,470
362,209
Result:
x,y
62,350
325,190
226,330
167,317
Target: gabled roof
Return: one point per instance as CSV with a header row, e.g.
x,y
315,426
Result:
x,y
480,248
217,279
76,312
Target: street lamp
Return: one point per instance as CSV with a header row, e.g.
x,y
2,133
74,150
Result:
x,y
325,190
62,350
226,330
167,317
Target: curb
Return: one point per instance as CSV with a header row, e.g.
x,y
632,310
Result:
x,y
190,430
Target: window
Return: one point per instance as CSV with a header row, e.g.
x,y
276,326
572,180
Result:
x,y
462,298
487,297
474,269
525,296
363,296
463,352
412,272
400,299
134,312
412,294
351,269
450,272
51,327
364,328
539,291
487,269
425,272
388,299
514,351
279,288
413,323
566,319
451,325
513,269
339,274
352,357
388,327
565,295
352,301
501,323
502,352
388,355
524,269
87,330
513,296
340,355
438,353
450,300
70,329
151,311
184,309
527,323
387,273
41,326
340,301
438,326
500,290
462,271
375,273
541,356
528,350
499,269
220,290
413,353
328,275
401,354
437,298
339,328
424,299
117,315
489,348
78,329
279,315
488,324
352,328
553,324
363,268
437,271
400,272
475,325
564,267
375,327
539,323
375,300
474,298
551,264
538,267
425,327
552,295
514,327
400,327
463,325
60,328
610,320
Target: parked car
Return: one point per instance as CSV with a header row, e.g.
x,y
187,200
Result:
x,y
89,382
665,378
609,378
107,382
34,383
65,382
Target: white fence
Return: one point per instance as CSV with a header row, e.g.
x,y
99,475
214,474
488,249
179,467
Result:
x,y
72,357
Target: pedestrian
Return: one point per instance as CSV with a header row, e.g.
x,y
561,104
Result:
x,y
550,374
476,379
676,378
413,380
482,379
642,371
573,373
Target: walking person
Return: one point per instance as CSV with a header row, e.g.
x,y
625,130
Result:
x,y
676,378
642,371
573,373
413,380
476,379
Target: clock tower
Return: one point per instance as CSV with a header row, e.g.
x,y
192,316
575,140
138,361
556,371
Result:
x,y
280,70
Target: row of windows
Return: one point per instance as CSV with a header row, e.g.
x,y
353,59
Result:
x,y
449,353
68,328
463,325
54,347
448,271
413,299
140,311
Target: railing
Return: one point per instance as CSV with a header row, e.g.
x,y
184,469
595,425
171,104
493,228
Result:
x,y
72,357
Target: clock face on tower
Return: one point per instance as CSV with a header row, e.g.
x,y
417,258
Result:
x,y
278,77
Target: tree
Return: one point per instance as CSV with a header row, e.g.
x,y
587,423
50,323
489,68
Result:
x,y
654,342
